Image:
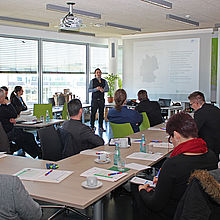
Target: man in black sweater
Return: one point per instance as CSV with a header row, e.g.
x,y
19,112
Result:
x,y
22,139
82,134
207,118
152,108
98,87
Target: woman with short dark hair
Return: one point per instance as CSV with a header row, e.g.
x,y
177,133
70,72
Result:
x,y
120,114
190,153
17,101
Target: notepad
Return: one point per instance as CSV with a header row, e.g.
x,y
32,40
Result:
x,y
42,175
136,166
163,145
145,156
141,181
103,174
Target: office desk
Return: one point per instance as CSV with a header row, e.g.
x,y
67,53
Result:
x,y
40,125
70,192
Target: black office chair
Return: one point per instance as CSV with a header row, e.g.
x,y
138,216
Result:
x,y
50,144
52,149
4,142
70,146
6,145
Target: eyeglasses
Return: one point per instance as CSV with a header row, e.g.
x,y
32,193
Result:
x,y
169,139
192,103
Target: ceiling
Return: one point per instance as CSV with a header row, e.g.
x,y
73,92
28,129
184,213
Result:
x,y
136,13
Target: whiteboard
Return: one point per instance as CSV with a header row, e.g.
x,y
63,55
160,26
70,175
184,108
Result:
x,y
166,68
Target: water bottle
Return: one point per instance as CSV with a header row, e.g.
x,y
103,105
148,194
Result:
x,y
47,116
116,154
143,144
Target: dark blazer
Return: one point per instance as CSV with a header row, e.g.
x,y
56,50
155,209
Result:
x,y
18,104
152,109
208,122
82,134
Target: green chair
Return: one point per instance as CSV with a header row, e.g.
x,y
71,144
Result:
x,y
121,130
145,123
40,110
64,112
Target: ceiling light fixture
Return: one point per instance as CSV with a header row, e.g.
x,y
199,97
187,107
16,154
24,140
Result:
x,y
24,21
77,32
183,20
70,21
75,11
160,3
122,26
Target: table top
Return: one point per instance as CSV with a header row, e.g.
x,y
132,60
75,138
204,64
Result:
x,y
40,124
70,192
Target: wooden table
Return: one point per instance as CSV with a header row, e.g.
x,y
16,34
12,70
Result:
x,y
70,192
40,125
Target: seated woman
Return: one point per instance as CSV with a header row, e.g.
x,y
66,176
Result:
x,y
120,114
16,99
190,153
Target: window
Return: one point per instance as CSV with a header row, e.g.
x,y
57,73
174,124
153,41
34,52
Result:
x,y
18,66
64,67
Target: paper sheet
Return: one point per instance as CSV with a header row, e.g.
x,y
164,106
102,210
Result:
x,y
102,174
136,166
156,129
43,175
141,181
163,145
94,152
145,156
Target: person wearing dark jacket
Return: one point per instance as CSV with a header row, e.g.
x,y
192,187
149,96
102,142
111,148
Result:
x,y
152,108
207,118
22,139
17,101
98,87
82,134
189,153
201,200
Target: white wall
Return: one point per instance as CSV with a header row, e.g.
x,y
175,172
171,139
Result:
x,y
204,57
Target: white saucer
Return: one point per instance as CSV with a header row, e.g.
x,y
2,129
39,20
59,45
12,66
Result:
x,y
84,184
102,162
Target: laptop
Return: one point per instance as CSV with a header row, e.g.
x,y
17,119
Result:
x,y
164,102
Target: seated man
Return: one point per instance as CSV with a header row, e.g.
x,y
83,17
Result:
x,y
15,201
22,139
152,108
121,114
83,135
207,118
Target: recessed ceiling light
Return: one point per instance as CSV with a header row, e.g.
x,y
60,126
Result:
x,y
98,25
161,3
181,19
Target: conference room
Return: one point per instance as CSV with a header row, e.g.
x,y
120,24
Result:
x,y
168,48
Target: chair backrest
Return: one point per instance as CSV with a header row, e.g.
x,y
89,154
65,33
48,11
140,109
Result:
x,y
50,143
145,123
4,142
121,130
40,109
70,146
65,112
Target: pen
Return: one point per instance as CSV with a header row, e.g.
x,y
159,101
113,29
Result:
x,y
114,173
48,172
103,175
156,141
158,173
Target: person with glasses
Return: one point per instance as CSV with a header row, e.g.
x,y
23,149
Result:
x,y
207,118
190,153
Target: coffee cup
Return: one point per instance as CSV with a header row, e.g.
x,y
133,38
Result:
x,y
91,181
102,157
123,142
